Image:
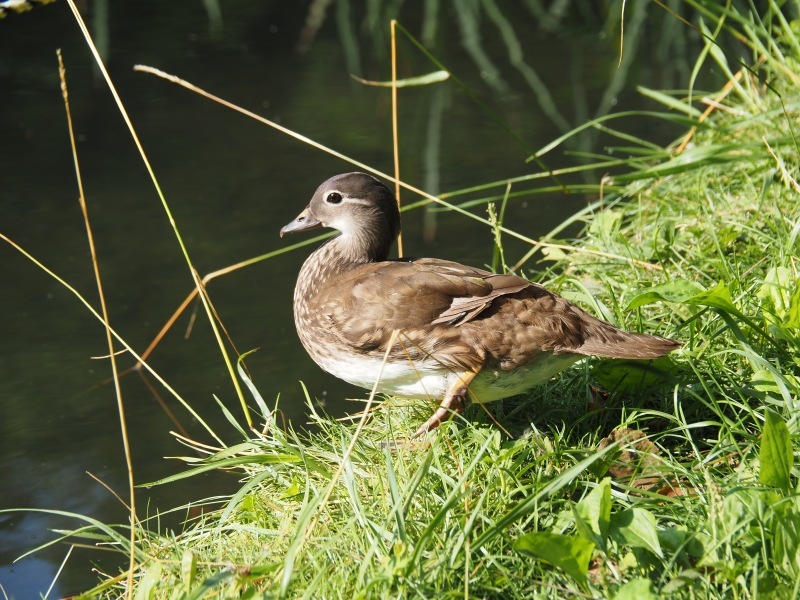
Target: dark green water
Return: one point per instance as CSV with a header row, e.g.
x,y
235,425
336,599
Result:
x,y
231,184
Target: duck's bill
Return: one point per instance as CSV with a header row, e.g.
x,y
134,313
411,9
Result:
x,y
304,221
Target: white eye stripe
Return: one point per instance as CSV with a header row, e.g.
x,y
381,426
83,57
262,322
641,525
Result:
x,y
344,198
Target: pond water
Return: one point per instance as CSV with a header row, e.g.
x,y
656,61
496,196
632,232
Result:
x,y
231,184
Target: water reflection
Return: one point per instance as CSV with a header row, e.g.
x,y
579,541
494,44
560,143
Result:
x,y
231,185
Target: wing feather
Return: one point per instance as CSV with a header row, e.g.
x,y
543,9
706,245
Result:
x,y
410,295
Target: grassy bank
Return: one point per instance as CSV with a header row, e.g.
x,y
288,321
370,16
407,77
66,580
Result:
x,y
614,480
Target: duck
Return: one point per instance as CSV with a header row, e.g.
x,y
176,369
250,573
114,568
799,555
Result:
x,y
458,334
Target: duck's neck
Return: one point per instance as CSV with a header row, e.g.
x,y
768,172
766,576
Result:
x,y
337,256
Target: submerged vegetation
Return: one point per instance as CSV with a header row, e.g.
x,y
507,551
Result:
x,y
676,478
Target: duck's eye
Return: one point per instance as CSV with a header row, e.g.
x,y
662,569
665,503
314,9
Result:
x,y
333,198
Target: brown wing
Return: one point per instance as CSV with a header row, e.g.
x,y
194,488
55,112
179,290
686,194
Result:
x,y
424,292
515,330
465,308
464,314
425,299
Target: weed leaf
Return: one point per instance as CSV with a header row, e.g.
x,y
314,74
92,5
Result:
x,y
150,579
188,568
567,552
677,290
593,514
636,589
636,527
780,293
775,455
208,584
717,297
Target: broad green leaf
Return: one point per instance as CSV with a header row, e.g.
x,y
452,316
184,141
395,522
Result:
x,y
434,77
675,539
593,514
672,538
775,455
636,589
786,544
636,527
772,382
208,584
677,290
570,553
778,282
633,375
292,491
248,503
553,254
717,297
188,567
606,223
793,314
781,294
149,581
740,507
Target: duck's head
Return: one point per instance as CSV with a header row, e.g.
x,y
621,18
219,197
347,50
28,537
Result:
x,y
359,206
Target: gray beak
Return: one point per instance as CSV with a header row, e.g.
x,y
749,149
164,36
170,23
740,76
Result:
x,y
304,221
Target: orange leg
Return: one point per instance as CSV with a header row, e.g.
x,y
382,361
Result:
x,y
455,401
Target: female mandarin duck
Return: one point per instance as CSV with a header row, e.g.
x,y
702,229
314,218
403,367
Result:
x,y
463,333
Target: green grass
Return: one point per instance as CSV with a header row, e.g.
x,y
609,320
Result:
x,y
703,504
676,479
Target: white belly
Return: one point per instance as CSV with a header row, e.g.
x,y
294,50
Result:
x,y
430,380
